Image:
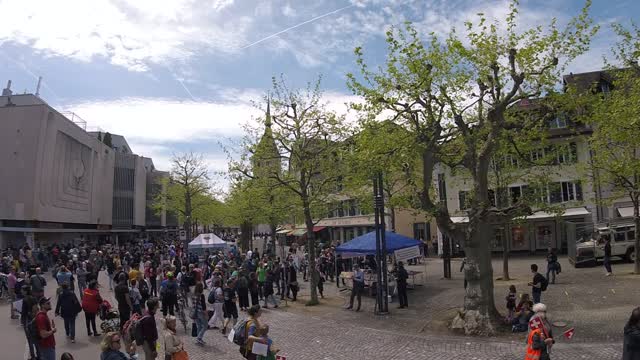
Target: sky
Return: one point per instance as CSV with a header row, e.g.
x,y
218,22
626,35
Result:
x,y
180,75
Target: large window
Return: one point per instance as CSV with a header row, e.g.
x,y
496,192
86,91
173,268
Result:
x,y
565,191
517,192
464,200
442,189
559,121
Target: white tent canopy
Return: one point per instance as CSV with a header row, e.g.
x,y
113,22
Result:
x,y
207,241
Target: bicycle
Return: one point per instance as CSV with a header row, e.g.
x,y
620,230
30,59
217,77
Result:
x,y
180,311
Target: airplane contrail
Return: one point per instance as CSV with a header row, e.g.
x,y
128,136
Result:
x,y
187,90
296,26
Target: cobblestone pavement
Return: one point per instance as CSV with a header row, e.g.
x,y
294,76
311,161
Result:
x,y
596,306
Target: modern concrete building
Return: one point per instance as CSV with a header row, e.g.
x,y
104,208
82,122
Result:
x,y
60,183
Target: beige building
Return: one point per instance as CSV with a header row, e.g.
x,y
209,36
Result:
x,y
60,183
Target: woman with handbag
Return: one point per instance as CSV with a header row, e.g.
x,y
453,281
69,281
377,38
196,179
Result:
x,y
173,345
199,312
68,307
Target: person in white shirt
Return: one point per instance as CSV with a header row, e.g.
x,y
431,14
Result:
x,y
358,286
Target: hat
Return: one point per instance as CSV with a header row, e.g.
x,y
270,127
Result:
x,y
44,300
539,307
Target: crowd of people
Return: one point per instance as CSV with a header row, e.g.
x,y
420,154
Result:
x,y
212,287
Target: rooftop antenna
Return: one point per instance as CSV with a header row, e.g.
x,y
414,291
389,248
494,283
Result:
x,y
7,91
38,87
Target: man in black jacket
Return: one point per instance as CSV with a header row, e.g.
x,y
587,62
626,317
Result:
x,y
150,330
401,279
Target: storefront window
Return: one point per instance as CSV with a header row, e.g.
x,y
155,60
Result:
x,y
498,239
518,238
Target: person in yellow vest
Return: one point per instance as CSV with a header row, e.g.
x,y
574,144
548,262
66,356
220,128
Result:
x,y
540,338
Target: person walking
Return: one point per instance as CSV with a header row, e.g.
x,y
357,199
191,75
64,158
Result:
x,y
607,256
254,289
253,332
68,307
110,347
540,338
262,277
552,266
81,274
172,342
631,343
358,286
268,290
27,316
293,281
216,298
136,297
38,284
401,279
242,286
169,294
199,312
230,308
150,330
536,284
46,329
91,301
123,299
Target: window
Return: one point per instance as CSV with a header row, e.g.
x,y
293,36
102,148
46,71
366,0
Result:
x,y
567,154
511,161
565,191
492,198
537,155
463,200
517,192
604,87
442,189
558,122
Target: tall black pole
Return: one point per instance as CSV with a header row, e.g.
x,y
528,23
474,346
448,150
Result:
x,y
378,267
383,246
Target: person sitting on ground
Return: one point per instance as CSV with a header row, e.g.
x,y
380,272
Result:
x,y
523,314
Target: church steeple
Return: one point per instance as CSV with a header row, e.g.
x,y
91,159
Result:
x,y
266,158
267,121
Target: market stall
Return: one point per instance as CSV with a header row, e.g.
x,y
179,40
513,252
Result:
x,y
400,246
207,242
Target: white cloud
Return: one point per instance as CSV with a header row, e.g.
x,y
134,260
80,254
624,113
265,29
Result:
x,y
288,11
129,33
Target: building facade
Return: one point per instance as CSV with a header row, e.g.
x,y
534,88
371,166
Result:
x,y
60,183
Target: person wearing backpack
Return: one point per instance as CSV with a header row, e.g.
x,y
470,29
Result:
x,y
252,329
169,295
68,307
38,283
538,285
149,330
242,287
216,297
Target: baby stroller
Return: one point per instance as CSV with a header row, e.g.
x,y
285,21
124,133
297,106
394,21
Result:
x,y
103,309
111,321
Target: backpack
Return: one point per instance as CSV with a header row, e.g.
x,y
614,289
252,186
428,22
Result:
x,y
544,284
33,329
133,329
228,294
240,332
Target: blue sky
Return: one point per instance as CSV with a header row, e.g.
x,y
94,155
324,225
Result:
x,y
179,75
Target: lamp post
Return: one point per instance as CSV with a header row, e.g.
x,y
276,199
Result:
x,y
382,299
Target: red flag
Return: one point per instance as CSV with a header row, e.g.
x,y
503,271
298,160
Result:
x,y
569,333
535,323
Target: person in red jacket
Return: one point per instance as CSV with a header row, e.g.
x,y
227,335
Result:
x,y
91,301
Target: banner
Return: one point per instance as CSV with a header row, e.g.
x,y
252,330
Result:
x,y
407,253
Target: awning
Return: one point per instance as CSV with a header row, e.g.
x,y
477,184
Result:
x,y
625,211
285,231
579,211
298,232
318,228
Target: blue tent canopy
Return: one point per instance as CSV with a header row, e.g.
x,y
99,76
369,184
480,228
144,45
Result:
x,y
366,244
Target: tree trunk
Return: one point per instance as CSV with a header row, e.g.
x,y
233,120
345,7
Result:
x,y
187,224
393,218
479,316
245,236
311,249
505,258
636,247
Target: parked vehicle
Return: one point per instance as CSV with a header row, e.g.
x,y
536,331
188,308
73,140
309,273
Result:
x,y
622,244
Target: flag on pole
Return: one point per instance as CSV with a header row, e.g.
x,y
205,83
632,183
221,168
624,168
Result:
x,y
535,323
569,333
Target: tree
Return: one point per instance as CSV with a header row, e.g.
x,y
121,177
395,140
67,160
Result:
x,y
615,118
386,148
188,189
453,95
107,139
309,139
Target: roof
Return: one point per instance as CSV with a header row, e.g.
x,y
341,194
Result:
x,y
366,244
